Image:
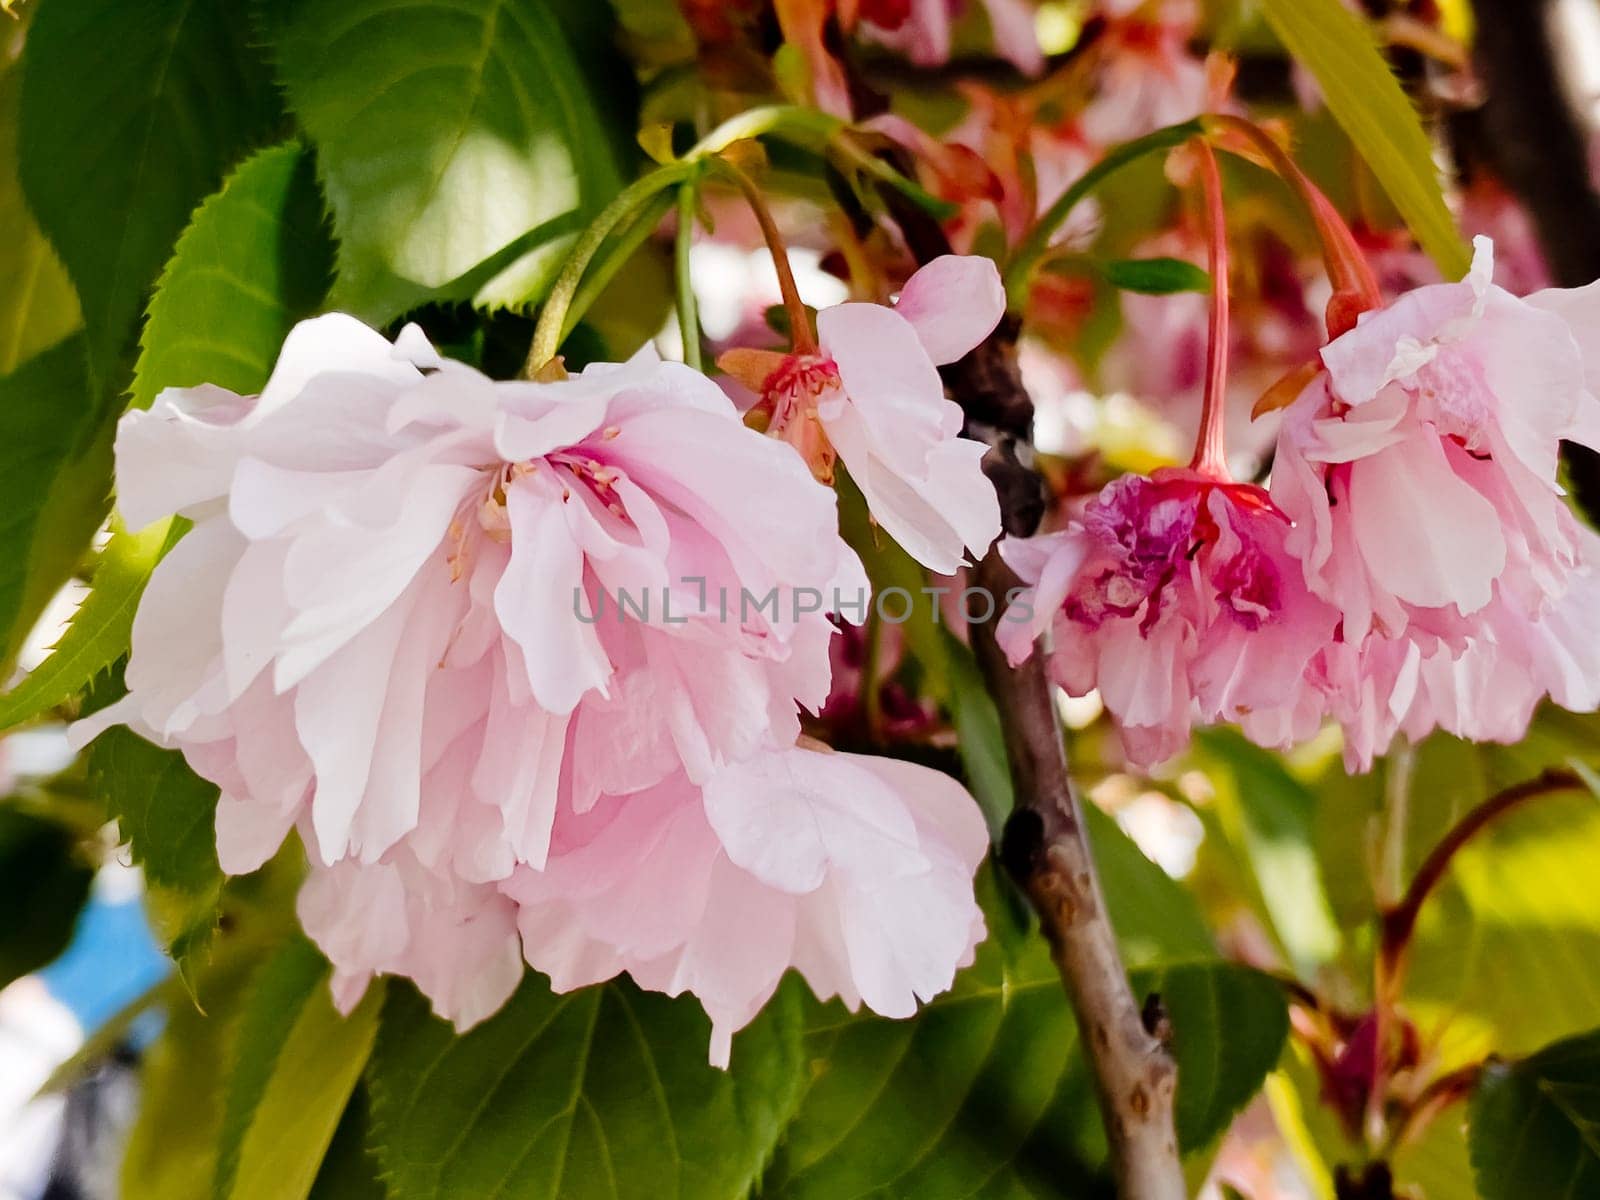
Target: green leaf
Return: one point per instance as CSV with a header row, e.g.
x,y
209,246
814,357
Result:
x,y
130,115
600,1092
1271,817
38,306
457,141
43,885
296,1063
167,815
985,1092
1156,276
99,631
256,259
1535,1125
1338,49
55,467
166,812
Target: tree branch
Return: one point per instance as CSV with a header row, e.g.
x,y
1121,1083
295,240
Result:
x,y
1046,847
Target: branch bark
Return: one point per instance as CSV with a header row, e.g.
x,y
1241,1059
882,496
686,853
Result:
x,y
1046,847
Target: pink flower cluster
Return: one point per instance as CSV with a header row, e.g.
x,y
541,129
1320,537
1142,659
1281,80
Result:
x,y
397,626
1414,565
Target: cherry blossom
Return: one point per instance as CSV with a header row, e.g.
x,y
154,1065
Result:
x,y
855,871
868,392
1176,597
1420,469
393,555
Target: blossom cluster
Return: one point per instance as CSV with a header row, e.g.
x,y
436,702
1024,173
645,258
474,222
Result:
x,y
1413,565
368,636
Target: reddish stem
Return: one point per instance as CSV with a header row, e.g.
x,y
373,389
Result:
x,y
1210,456
1355,287
801,339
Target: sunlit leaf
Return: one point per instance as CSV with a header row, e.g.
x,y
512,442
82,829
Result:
x,y
1362,93
255,259
296,1063
457,140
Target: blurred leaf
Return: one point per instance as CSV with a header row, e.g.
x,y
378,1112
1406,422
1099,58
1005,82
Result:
x,y
1535,1125
296,1063
38,306
43,886
1336,46
458,143
130,115
255,259
1507,952
1271,817
99,631
55,468
604,1091
171,1150
1157,921
985,1093
1155,276
979,737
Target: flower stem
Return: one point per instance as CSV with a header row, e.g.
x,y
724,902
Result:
x,y
1355,288
1210,454
552,317
1035,247
688,310
801,337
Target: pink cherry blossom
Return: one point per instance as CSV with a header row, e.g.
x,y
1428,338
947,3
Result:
x,y
920,30
870,393
373,629
456,940
1176,597
1420,469
855,871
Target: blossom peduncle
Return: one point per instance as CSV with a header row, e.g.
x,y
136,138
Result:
x,y
1355,287
801,338
1210,457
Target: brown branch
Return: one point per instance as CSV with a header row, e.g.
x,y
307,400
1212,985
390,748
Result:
x,y
1398,923
1046,847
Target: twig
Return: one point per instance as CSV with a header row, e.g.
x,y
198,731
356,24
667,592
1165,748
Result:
x,y
1046,848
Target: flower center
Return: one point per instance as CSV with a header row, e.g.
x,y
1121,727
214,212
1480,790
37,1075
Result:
x,y
790,396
